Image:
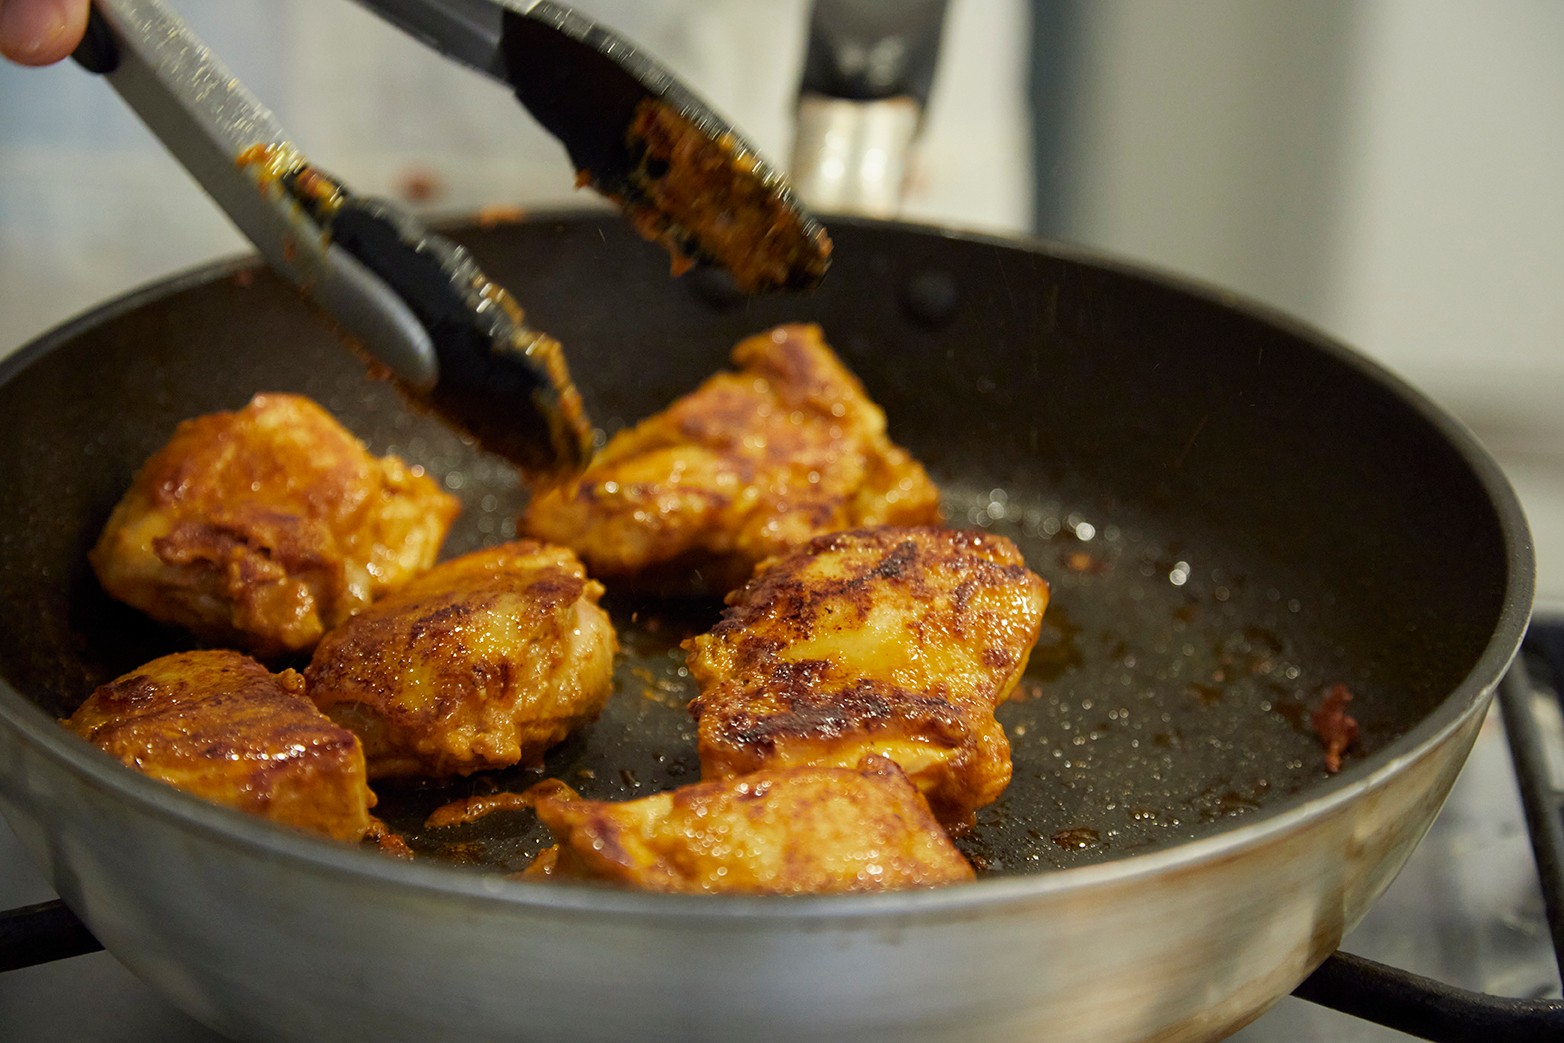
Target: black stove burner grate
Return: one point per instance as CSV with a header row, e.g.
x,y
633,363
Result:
x,y
1442,1013
1398,999
1542,789
42,933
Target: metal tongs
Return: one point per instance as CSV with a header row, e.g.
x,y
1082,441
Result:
x,y
416,301
684,176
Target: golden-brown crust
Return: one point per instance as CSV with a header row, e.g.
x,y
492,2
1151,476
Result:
x,y
749,465
219,725
485,661
895,641
790,831
264,527
693,190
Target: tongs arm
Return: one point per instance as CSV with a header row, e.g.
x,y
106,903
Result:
x,y
683,175
471,32
413,300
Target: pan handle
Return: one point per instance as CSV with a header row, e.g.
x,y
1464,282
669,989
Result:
x,y
1426,1008
1430,1009
42,933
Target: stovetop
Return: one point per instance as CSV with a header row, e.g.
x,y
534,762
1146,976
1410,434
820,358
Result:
x,y
1468,910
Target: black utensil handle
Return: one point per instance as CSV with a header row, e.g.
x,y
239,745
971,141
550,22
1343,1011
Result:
x,y
1542,803
97,53
42,933
1426,1008
491,382
868,50
1438,1012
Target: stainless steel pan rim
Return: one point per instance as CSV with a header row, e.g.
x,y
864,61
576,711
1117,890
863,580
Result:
x,y
263,840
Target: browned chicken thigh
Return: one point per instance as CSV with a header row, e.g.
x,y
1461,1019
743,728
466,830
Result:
x,y
263,528
483,662
219,725
750,464
894,641
787,831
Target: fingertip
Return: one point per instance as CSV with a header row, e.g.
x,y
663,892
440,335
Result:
x,y
41,32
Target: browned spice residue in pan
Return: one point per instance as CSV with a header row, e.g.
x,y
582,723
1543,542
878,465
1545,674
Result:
x,y
700,195
1337,729
387,842
1077,839
496,214
471,809
269,164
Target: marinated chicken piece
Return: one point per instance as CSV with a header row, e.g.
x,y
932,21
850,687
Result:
x,y
788,831
484,661
895,641
263,528
219,725
749,465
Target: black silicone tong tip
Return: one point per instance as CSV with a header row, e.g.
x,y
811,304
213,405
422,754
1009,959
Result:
x,y
501,381
414,301
684,177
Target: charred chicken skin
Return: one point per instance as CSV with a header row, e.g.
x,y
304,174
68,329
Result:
x,y
219,725
786,831
892,641
751,464
263,528
483,662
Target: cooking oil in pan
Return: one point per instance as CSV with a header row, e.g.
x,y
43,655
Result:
x,y
1167,695
1164,699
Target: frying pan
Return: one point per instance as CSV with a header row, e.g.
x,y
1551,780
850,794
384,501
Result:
x,y
1234,512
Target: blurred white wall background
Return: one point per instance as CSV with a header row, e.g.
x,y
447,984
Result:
x,y
90,205
1392,171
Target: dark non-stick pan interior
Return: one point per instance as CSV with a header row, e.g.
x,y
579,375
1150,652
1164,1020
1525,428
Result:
x,y
1233,517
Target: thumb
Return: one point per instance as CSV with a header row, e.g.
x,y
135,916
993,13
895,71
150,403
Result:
x,y
38,32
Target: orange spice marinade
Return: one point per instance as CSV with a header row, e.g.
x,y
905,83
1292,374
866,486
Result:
x,y
701,194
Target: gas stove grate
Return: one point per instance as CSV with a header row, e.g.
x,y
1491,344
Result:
x,y
1442,1013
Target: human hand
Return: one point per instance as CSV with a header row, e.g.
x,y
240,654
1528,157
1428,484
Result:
x,y
38,32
